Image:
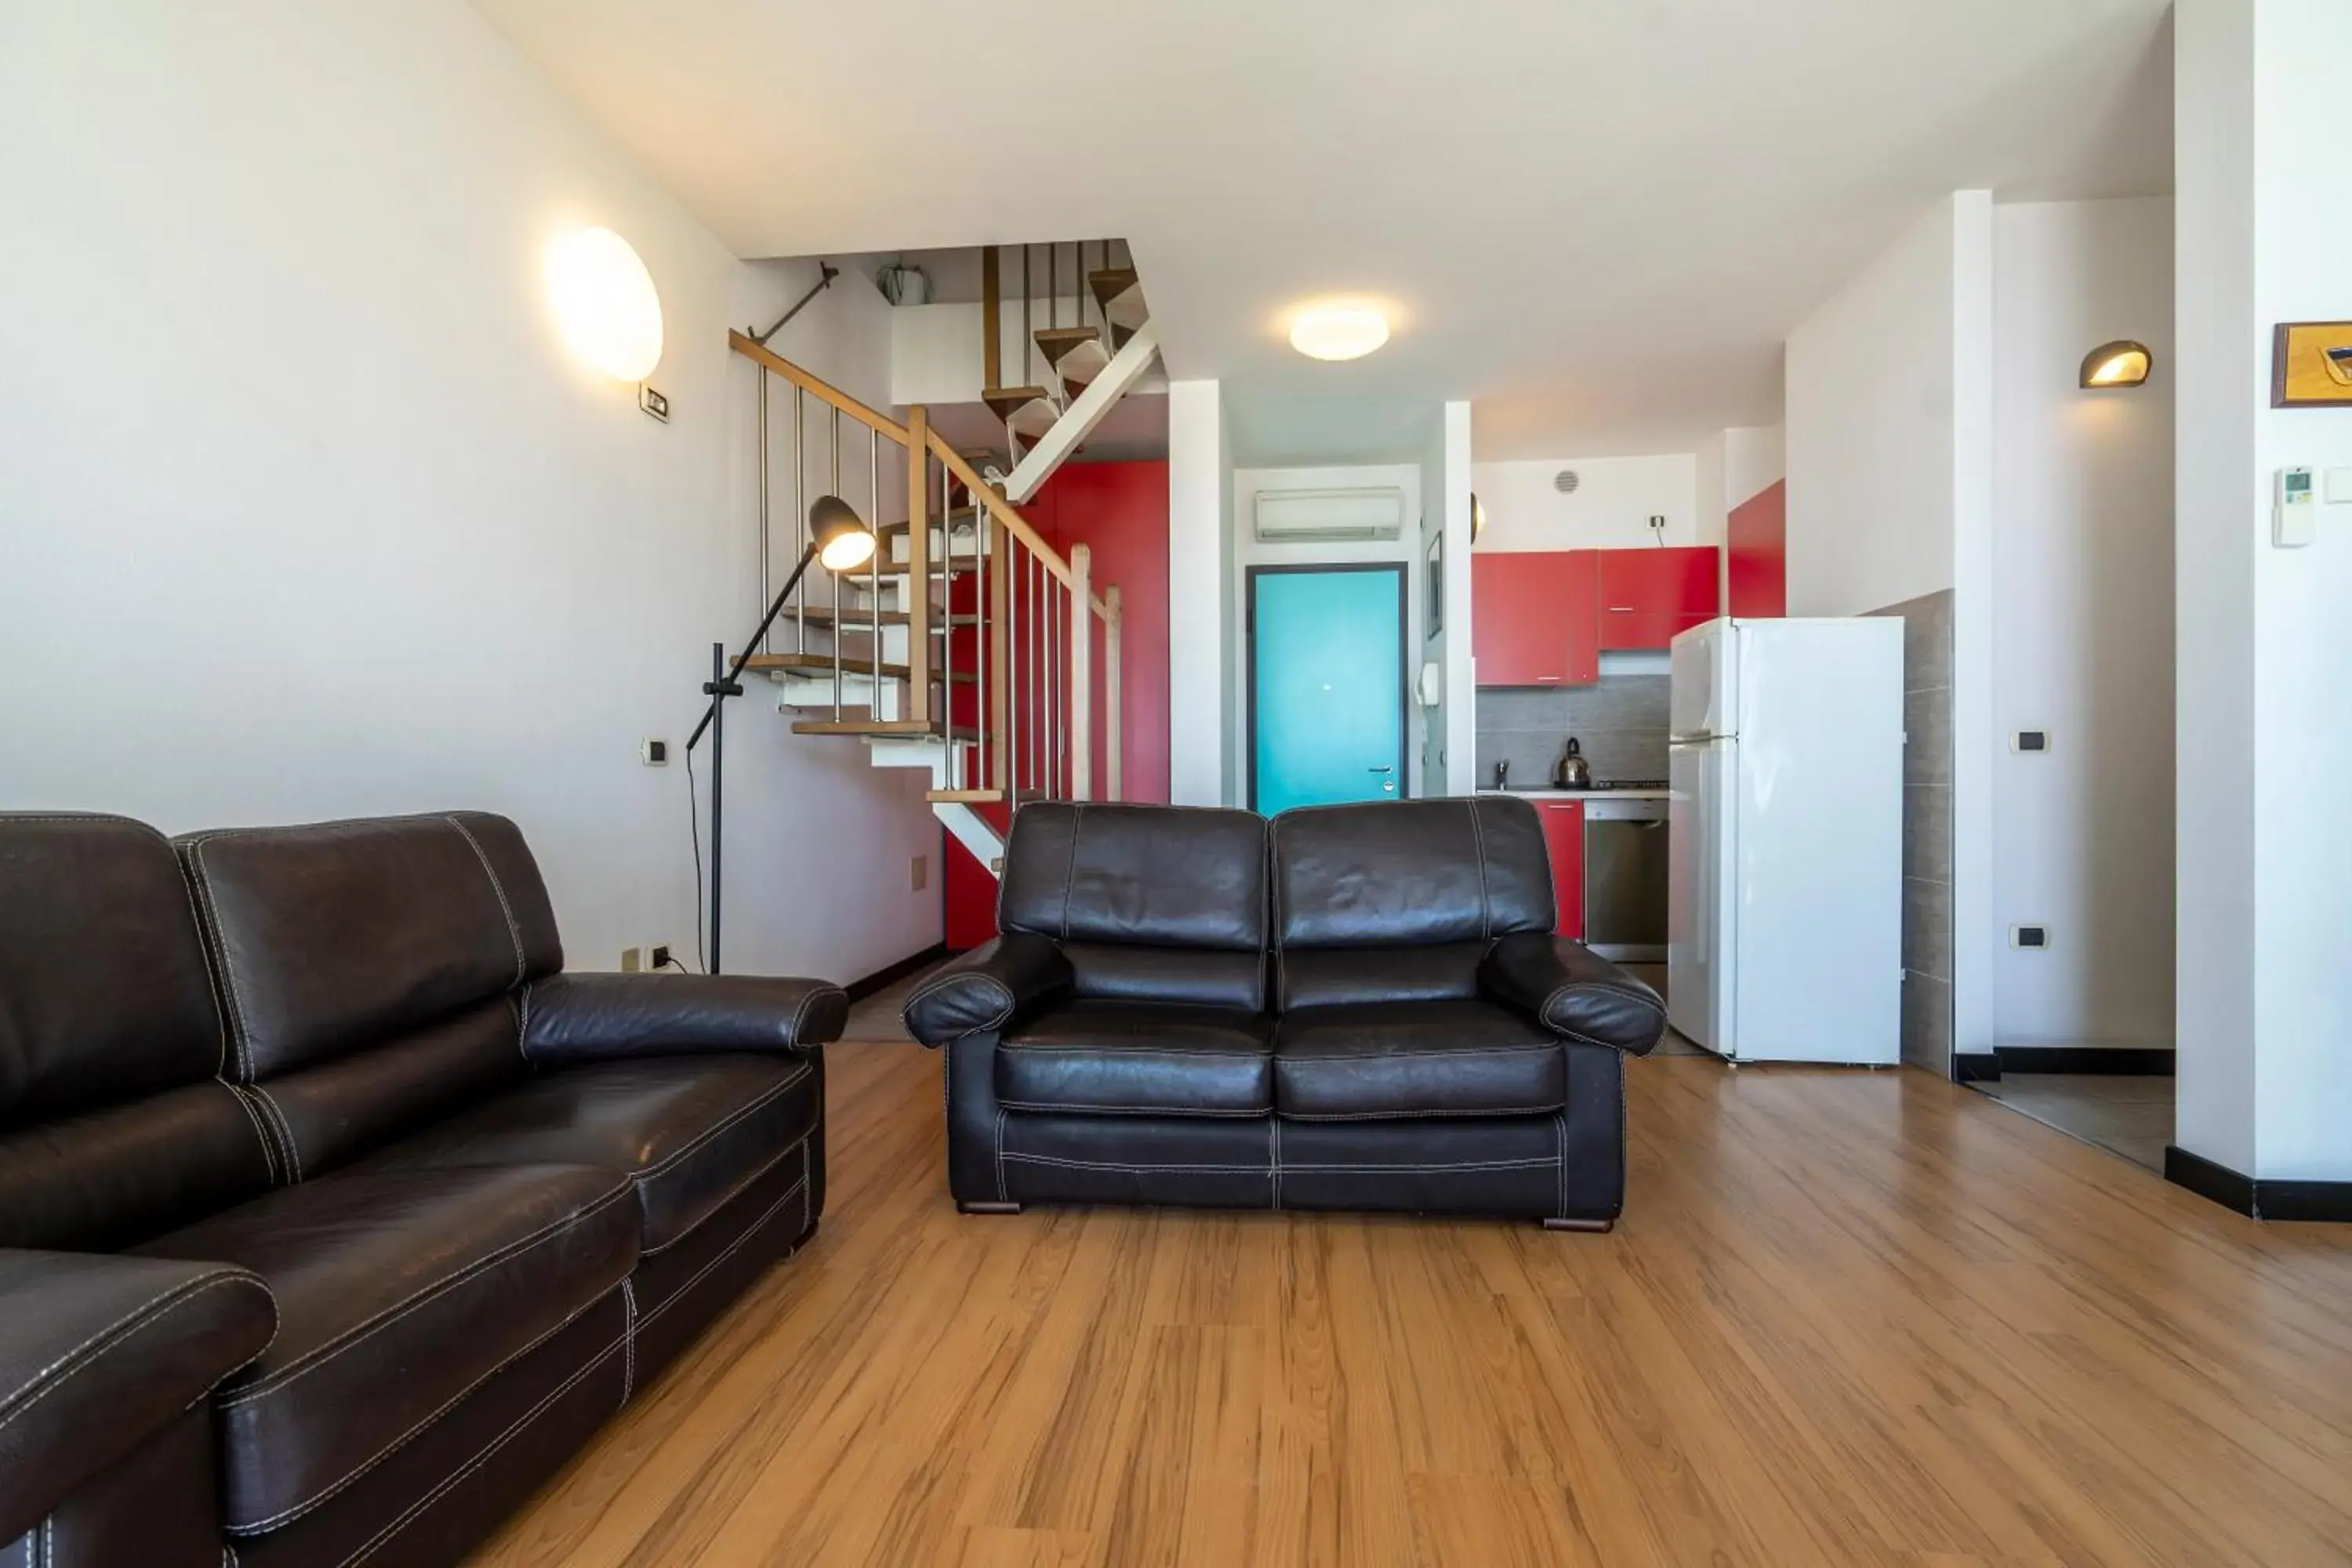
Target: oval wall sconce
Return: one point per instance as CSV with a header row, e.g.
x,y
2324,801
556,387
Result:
x,y
2119,363
606,303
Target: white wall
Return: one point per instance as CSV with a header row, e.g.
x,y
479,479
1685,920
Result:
x,y
1889,459
306,512
2264,235
1248,551
1201,669
1870,432
1609,509
1755,459
2082,626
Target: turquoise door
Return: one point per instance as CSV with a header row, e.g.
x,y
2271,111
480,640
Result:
x,y
1327,685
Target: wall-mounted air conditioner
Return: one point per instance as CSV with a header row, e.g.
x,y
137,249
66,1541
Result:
x,y
1311,517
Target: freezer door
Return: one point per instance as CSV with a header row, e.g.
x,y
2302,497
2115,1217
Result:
x,y
1700,906
1704,666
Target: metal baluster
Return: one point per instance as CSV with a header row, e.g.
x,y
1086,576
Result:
x,y
833,487
1053,283
979,703
800,515
1028,341
1013,672
874,567
946,634
768,638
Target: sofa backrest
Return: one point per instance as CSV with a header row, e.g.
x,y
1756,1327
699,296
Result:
x,y
1398,901
115,1122
368,970
1149,902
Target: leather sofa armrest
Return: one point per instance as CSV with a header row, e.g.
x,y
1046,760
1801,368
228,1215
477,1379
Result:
x,y
1573,992
98,1353
984,988
568,1019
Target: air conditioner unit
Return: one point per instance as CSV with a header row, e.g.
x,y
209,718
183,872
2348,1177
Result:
x,y
1307,516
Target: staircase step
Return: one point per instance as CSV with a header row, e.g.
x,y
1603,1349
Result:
x,y
899,728
822,664
963,514
1004,402
1077,359
1053,343
965,797
1121,294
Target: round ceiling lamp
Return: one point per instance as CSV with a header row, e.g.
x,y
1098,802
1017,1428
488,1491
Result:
x,y
1339,332
2119,363
605,301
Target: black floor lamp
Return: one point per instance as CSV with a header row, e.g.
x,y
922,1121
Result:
x,y
840,539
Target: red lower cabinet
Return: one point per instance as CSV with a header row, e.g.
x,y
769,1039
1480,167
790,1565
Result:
x,y
1563,825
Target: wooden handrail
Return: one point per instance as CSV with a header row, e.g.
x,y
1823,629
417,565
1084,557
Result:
x,y
998,507
824,390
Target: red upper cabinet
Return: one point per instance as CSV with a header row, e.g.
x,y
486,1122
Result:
x,y
1647,597
1532,617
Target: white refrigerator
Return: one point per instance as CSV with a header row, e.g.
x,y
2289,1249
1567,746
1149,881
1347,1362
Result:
x,y
1785,848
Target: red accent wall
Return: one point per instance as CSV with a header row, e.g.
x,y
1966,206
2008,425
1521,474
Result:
x,y
1120,512
1757,554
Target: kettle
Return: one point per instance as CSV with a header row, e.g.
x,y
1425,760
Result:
x,y
1573,771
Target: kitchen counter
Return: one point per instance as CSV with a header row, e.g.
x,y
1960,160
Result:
x,y
1547,793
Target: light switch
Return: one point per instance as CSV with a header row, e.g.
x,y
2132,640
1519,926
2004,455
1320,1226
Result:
x,y
2339,487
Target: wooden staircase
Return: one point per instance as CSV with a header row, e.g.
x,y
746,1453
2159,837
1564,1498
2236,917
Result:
x,y
967,646
1049,409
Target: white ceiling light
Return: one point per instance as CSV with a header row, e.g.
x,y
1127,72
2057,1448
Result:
x,y
604,299
1339,332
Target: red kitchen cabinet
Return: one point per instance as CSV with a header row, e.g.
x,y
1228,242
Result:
x,y
1648,597
1563,825
1534,617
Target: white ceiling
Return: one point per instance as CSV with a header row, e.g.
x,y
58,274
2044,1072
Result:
x,y
1597,220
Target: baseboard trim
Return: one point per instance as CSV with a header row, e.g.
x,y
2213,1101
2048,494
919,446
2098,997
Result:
x,y
2136,1061
1976,1067
2323,1202
884,978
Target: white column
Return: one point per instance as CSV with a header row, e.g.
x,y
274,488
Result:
x,y
2264,690
1200,529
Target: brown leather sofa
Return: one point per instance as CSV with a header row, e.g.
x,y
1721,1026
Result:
x,y
1344,1007
333,1215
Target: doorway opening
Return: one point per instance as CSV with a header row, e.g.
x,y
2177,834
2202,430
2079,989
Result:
x,y
1327,684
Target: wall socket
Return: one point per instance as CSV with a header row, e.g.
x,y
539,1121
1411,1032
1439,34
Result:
x,y
920,873
2029,936
659,957
632,961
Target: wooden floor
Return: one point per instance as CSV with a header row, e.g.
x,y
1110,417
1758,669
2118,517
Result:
x,y
1849,1317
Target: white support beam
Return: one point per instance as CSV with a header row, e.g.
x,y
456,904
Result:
x,y
1077,422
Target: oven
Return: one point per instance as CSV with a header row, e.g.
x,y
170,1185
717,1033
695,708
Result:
x,y
1625,879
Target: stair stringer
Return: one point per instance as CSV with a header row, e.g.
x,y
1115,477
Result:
x,y
971,829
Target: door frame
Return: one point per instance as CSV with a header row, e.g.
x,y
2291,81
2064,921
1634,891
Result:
x,y
1404,638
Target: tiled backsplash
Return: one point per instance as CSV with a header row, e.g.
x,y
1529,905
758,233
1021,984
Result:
x,y
1620,722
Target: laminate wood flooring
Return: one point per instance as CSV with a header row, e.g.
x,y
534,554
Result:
x,y
1850,1317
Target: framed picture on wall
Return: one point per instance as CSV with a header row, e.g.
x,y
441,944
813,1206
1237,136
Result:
x,y
1433,610
2311,365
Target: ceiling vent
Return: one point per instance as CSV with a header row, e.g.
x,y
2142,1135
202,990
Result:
x,y
1565,481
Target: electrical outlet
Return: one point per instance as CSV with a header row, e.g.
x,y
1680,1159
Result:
x,y
2029,740
2029,936
922,872
631,960
659,957
654,753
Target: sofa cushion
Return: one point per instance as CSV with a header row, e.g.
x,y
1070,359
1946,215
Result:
x,y
1415,1059
1168,875
1410,873
1128,1058
103,994
329,937
397,1292
689,1132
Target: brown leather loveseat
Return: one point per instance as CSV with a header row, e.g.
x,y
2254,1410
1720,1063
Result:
x,y
333,1215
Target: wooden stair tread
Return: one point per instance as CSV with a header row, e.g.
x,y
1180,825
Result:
x,y
823,664
1004,402
963,796
862,620
900,727
906,525
1055,341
